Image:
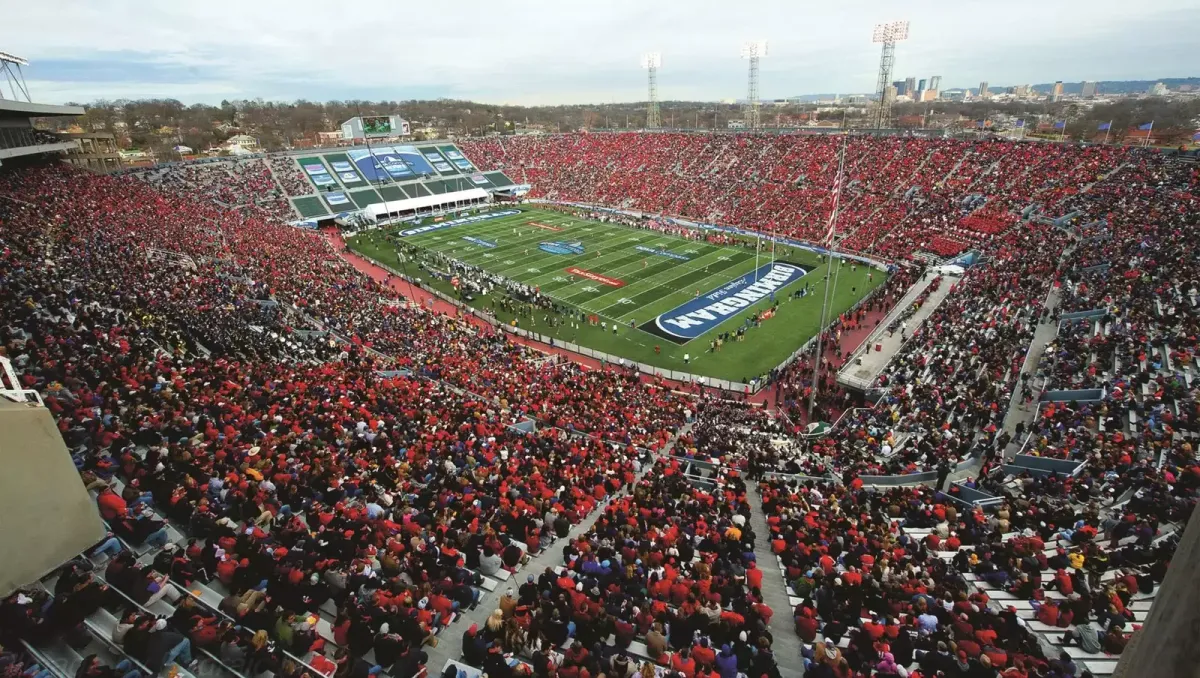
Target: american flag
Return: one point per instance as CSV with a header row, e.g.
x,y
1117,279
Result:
x,y
837,192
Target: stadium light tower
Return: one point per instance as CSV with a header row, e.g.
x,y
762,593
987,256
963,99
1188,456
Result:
x,y
14,76
651,61
753,51
888,35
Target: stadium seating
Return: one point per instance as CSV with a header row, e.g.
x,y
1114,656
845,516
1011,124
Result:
x,y
249,184
902,196
280,444
227,391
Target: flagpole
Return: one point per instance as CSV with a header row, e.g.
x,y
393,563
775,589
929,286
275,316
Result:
x,y
1106,131
837,192
1146,141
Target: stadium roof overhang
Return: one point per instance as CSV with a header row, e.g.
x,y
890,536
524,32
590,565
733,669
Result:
x,y
425,201
19,151
11,108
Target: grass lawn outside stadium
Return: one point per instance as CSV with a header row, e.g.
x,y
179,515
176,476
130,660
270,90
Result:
x,y
652,282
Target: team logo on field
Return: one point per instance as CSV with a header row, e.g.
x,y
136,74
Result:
x,y
560,247
479,241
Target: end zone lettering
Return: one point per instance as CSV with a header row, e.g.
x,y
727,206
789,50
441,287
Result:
x,y
705,312
458,222
602,279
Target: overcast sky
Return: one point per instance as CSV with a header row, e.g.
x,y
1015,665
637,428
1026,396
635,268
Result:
x,y
547,52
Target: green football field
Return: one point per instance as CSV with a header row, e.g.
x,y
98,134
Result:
x,y
672,273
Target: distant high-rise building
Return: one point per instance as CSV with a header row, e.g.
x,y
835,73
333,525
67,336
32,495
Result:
x,y
921,89
889,93
910,86
929,95
935,82
1089,89
900,89
983,90
1158,90
1021,91
1056,93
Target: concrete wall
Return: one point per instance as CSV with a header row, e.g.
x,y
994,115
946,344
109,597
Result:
x,y
1166,645
46,517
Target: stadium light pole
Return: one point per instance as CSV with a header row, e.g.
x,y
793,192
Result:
x,y
753,51
888,35
10,65
652,61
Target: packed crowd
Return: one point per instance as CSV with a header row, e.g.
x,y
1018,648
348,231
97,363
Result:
x,y
289,175
333,454
903,195
315,466
669,571
874,598
248,184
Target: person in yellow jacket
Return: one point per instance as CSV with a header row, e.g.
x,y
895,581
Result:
x,y
1076,559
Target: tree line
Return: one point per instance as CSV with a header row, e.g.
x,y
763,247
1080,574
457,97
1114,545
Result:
x,y
160,124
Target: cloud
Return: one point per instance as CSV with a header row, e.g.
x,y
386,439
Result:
x,y
571,52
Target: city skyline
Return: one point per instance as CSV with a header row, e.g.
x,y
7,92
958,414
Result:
x,y
206,52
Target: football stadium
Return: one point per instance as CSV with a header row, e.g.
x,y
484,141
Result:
x,y
732,402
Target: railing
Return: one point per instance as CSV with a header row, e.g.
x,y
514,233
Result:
x,y
45,662
898,310
10,385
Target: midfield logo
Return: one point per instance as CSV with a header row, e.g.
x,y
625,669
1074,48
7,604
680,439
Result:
x,y
560,247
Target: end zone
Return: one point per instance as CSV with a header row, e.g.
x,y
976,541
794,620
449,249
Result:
x,y
696,317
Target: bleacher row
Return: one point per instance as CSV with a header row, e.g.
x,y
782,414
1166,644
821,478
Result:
x,y
320,417
905,196
275,187
284,417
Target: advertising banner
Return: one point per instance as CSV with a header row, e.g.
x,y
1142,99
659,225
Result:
x,y
595,277
413,157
